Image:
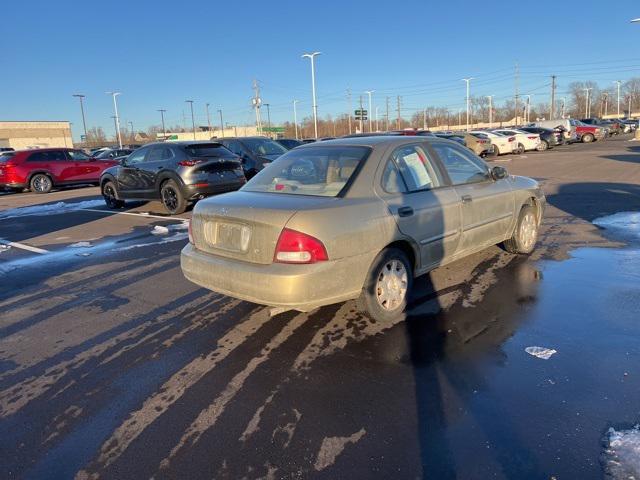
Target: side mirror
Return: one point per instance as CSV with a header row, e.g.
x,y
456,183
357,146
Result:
x,y
498,173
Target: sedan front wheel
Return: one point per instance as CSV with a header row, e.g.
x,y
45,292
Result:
x,y
525,235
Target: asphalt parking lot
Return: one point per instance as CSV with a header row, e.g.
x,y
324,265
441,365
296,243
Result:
x,y
112,365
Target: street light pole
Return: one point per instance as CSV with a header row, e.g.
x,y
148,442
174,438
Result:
x,y
369,92
377,125
84,123
424,118
311,56
117,118
193,121
295,117
490,97
164,130
527,112
618,82
221,122
206,107
132,132
268,117
587,107
468,81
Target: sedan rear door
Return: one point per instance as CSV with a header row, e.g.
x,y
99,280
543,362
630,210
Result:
x,y
487,204
425,208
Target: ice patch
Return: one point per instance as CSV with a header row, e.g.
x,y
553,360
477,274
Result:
x,y
540,352
621,457
173,238
50,209
81,245
4,248
83,254
160,230
625,224
166,229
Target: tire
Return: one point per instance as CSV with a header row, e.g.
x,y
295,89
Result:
x,y
544,145
172,198
387,287
41,183
525,235
496,151
587,138
109,194
520,150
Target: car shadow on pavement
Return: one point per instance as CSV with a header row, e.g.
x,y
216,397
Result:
x,y
632,157
590,200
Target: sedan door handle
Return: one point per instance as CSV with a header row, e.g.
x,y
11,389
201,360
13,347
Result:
x,y
405,211
467,199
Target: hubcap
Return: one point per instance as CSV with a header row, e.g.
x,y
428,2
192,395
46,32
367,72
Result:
x,y
391,286
169,198
41,183
528,231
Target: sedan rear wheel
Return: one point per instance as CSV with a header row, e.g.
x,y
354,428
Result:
x,y
41,183
172,198
520,150
384,295
543,145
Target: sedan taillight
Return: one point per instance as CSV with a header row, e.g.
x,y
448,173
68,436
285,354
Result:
x,y
298,247
511,139
189,163
532,137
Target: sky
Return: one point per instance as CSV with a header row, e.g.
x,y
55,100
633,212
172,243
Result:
x,y
159,54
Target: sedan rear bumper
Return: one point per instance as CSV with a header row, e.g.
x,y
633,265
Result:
x,y
295,287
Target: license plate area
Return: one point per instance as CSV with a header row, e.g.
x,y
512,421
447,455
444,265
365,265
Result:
x,y
232,237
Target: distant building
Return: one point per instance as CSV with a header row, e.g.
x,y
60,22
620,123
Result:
x,y
24,135
204,134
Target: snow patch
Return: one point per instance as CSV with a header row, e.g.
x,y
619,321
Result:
x,y
50,209
621,457
166,229
541,352
332,447
4,248
624,224
81,245
173,238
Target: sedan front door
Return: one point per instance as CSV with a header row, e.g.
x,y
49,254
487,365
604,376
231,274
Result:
x,y
426,209
487,204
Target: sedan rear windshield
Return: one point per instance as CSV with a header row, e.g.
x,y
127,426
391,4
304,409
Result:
x,y
208,150
318,171
5,156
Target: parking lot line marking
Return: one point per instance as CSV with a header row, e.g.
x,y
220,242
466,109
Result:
x,y
29,248
132,213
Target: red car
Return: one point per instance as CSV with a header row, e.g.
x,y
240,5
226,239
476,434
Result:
x,y
43,169
589,133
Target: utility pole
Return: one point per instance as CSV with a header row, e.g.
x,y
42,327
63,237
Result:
x,y
221,122
468,81
552,109
605,100
349,109
117,118
459,117
629,114
490,97
84,123
193,121
268,118
377,124
311,56
587,107
424,119
295,118
369,92
387,116
527,109
563,104
618,82
206,106
257,101
361,115
132,132
164,130
399,115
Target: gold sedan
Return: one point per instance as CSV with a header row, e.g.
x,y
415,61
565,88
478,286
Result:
x,y
357,218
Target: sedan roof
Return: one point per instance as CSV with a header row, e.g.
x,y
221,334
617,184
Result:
x,y
371,141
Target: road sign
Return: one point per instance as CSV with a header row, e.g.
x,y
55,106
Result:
x,y
360,112
273,129
359,117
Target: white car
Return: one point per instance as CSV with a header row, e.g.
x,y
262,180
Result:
x,y
525,141
502,144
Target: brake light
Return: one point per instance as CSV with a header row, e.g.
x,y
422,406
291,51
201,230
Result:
x,y
511,139
532,137
189,163
298,247
190,233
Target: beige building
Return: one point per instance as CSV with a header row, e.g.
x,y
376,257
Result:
x,y
238,131
23,135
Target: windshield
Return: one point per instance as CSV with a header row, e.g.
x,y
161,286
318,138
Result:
x,y
320,171
5,156
263,146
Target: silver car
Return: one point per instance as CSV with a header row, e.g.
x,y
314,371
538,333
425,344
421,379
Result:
x,y
357,218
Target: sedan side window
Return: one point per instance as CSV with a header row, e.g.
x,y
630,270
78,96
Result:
x,y
77,155
415,168
391,180
462,166
137,156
